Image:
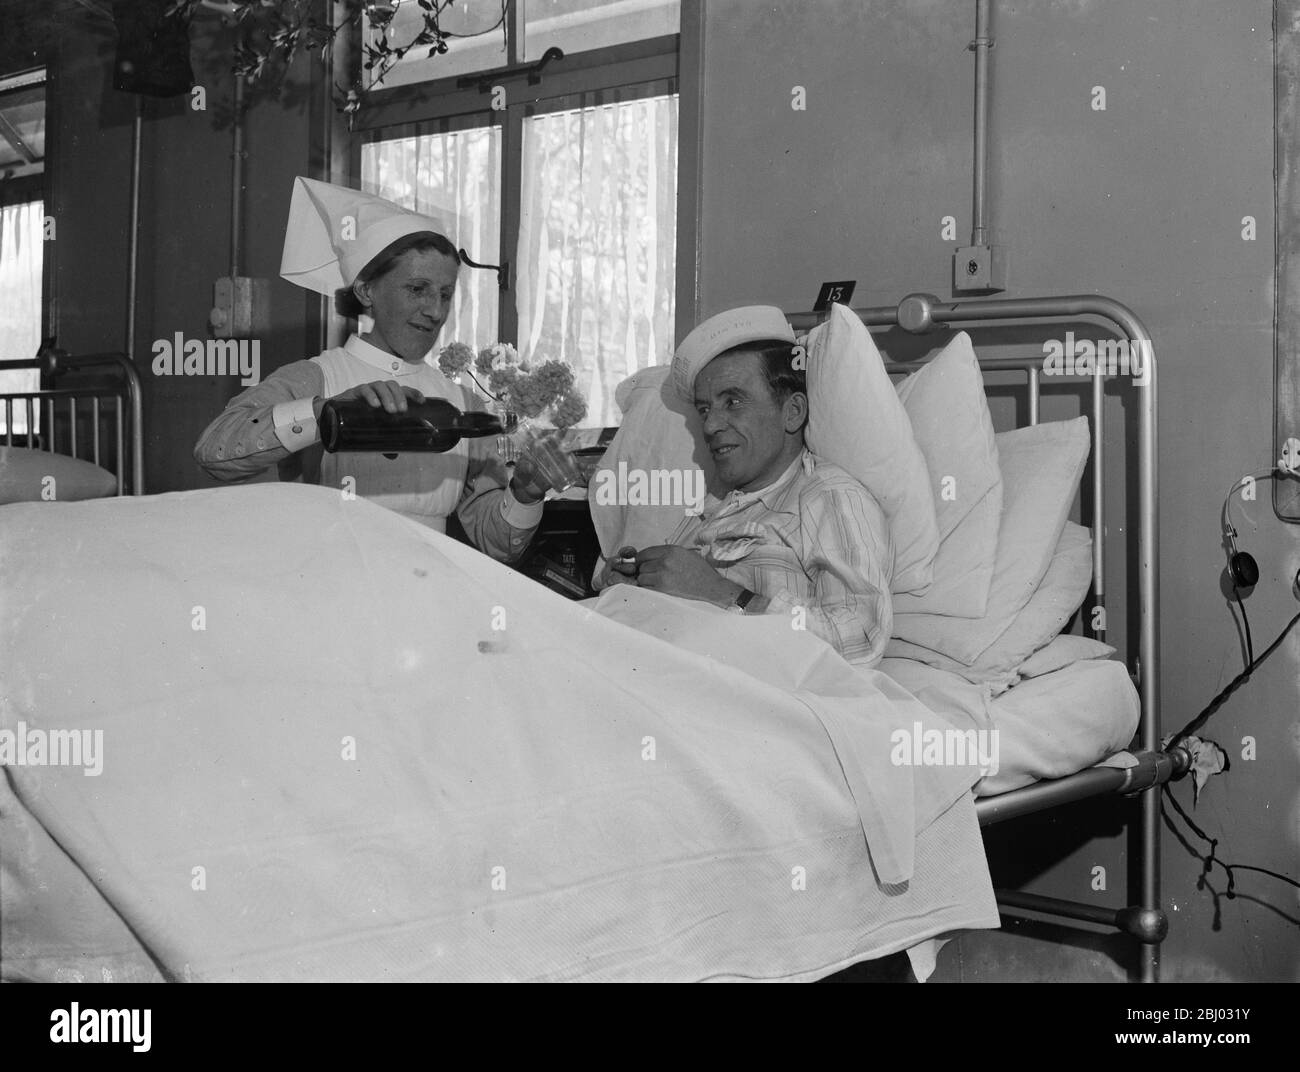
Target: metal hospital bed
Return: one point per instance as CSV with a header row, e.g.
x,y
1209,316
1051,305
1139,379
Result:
x,y
74,420
99,420
1146,921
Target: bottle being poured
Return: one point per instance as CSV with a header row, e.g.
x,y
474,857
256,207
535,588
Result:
x,y
436,425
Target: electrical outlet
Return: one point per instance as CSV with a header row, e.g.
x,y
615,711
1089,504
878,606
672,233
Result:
x,y
979,270
1290,460
240,307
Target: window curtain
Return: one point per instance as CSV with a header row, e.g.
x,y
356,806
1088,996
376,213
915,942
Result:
x,y
597,243
21,257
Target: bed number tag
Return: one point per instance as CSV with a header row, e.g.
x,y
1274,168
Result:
x,y
840,292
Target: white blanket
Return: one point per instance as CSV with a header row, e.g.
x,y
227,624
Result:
x,y
338,746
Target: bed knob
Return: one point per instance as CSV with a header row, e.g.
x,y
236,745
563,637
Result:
x,y
915,313
1147,925
1182,760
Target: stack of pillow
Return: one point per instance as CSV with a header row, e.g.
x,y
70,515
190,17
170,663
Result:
x,y
987,569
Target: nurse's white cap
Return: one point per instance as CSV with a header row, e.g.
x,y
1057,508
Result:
x,y
335,231
749,323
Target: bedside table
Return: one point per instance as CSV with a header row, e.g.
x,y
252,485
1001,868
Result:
x,y
563,551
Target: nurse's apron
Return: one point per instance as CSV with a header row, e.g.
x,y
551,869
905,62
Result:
x,y
422,486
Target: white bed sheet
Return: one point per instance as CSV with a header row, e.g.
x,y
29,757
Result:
x,y
1082,715
501,817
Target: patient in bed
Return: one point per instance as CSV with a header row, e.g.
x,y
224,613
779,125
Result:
x,y
795,535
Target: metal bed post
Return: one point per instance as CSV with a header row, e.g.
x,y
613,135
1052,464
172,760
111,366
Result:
x,y
56,362
920,313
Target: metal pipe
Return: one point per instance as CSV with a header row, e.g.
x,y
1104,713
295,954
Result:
x,y
1032,902
919,313
237,182
121,449
981,46
133,249
1098,505
1033,396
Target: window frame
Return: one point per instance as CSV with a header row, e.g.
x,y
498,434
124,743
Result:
x,y
629,71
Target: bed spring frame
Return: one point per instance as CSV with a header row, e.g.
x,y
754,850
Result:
x,y
64,411
1146,921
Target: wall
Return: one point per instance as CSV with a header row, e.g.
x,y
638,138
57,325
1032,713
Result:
x,y
184,223
1142,202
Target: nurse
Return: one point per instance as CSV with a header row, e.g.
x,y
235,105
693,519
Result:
x,y
400,269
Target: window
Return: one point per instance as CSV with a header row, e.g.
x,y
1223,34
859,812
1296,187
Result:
x,y
570,185
22,162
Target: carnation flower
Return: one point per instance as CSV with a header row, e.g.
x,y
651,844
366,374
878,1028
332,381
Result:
x,y
571,409
497,356
543,392
554,379
500,380
455,358
525,397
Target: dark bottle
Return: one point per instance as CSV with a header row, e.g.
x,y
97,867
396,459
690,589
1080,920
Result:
x,y
432,425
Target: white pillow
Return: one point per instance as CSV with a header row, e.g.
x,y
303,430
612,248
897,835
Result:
x,y
659,431
1041,466
949,413
856,421
40,476
1063,588
1063,651
1058,595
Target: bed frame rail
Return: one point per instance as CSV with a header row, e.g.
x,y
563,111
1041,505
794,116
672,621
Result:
x,y
921,313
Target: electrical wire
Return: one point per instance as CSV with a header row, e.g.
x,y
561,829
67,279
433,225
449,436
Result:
x,y
1231,687
1211,860
1245,621
1251,663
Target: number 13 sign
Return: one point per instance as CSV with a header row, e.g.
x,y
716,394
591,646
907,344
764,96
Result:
x,y
841,292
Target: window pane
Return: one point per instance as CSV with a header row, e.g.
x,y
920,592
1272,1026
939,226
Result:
x,y
580,25
452,174
22,149
478,44
21,254
597,243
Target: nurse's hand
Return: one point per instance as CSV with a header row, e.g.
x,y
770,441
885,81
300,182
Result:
x,y
389,394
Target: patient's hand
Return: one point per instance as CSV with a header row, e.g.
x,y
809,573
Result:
x,y
621,569
680,571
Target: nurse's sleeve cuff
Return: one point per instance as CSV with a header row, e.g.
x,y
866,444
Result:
x,y
295,423
521,515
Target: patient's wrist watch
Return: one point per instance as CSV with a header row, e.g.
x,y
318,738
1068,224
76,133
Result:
x,y
741,601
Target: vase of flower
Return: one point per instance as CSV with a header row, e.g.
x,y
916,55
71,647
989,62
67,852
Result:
x,y
508,443
523,397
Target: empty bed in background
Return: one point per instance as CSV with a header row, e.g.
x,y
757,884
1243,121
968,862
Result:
x,y
85,430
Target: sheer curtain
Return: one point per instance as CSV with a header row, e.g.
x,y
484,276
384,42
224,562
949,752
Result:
x,y
597,243
20,300
455,175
